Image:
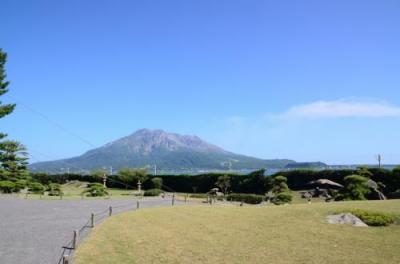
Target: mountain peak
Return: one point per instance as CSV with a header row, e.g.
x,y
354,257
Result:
x,y
146,141
169,151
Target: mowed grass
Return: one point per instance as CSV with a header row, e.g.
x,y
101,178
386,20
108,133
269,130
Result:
x,y
249,234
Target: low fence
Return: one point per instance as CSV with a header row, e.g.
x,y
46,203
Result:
x,y
78,235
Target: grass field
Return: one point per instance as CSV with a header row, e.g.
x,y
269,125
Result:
x,y
73,191
249,234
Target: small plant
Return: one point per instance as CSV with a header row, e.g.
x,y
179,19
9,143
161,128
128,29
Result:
x,y
96,190
36,187
246,198
153,192
7,186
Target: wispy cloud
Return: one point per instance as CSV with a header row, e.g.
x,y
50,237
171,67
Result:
x,y
342,108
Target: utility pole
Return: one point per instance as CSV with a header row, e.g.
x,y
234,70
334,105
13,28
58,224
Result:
x,y
379,159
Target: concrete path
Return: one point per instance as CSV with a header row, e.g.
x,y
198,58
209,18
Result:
x,y
34,231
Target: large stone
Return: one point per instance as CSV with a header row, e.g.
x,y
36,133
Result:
x,y
345,219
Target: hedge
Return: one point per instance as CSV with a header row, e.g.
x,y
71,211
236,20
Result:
x,y
153,192
246,198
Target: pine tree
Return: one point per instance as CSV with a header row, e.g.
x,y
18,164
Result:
x,y
13,160
5,109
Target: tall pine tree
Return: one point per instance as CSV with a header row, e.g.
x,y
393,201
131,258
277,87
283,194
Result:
x,y
5,109
12,153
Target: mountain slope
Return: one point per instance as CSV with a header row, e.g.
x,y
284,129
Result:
x,y
168,151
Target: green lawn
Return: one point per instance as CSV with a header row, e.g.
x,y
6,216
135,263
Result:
x,y
250,234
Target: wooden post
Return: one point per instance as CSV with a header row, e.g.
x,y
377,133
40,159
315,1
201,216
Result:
x,y
110,211
65,259
92,220
75,239
173,199
137,204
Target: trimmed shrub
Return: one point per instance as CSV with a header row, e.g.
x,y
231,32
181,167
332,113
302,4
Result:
x,y
356,188
246,198
157,183
279,185
282,198
153,192
394,195
373,218
19,185
55,189
96,190
7,186
36,187
199,195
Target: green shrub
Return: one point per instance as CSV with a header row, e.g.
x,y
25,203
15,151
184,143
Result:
x,y
373,218
282,198
157,183
20,184
394,195
55,189
96,190
7,186
356,188
36,187
153,192
246,198
279,185
199,195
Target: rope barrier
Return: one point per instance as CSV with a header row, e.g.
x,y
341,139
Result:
x,y
80,233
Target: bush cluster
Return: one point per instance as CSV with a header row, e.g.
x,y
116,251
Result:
x,y
36,187
394,195
153,192
96,190
282,198
373,218
281,191
246,198
198,195
7,186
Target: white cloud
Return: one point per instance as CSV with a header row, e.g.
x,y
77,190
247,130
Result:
x,y
342,108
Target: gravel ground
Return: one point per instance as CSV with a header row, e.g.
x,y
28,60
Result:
x,y
34,231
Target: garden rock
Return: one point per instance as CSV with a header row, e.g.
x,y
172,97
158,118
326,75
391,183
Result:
x,y
345,219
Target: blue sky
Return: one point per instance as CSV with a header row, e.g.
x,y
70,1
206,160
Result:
x,y
307,80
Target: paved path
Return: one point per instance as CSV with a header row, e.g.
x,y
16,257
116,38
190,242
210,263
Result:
x,y
34,231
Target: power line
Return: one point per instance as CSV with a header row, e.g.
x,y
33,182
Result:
x,y
66,163
56,124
